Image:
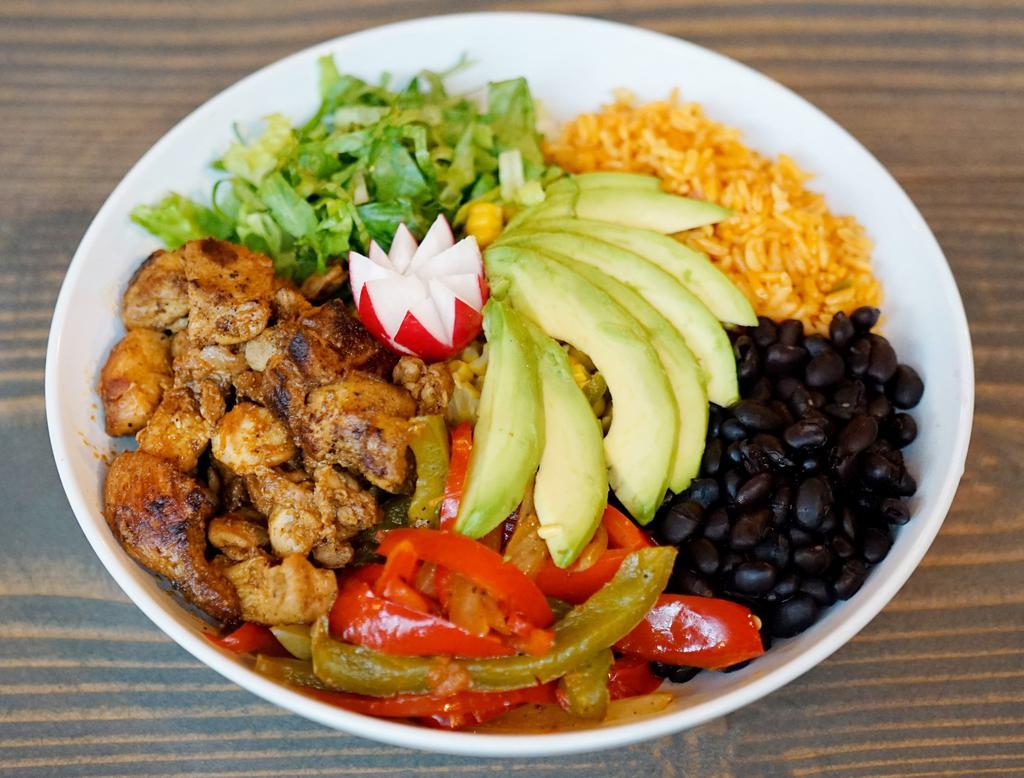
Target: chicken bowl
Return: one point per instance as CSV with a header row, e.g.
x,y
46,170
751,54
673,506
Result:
x,y
437,422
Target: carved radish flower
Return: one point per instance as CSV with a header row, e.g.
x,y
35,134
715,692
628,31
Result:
x,y
421,299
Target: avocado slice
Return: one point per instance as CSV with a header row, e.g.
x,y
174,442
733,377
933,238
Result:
x,y
629,206
571,488
641,443
509,434
680,365
698,326
601,179
691,268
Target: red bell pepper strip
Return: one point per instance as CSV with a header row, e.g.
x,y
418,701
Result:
x,y
360,617
450,711
622,532
505,582
250,639
695,631
393,582
461,448
630,677
577,586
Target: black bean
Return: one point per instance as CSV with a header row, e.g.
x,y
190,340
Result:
x,y
875,545
810,464
749,529
843,547
879,406
774,549
786,587
712,459
679,522
901,430
780,359
818,590
785,387
702,555
765,333
894,511
783,410
841,330
851,578
859,357
907,485
843,468
704,492
848,522
793,616
818,344
781,503
764,453
734,453
661,669
716,528
857,435
829,524
882,365
680,674
864,318
760,390
689,582
757,416
825,369
879,471
754,578
813,500
907,387
812,560
748,363
848,399
864,500
791,332
799,537
755,491
808,433
731,482
738,666
732,431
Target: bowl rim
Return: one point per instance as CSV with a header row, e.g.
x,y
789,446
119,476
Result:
x,y
495,745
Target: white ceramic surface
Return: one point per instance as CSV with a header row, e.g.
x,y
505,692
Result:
x,y
572,65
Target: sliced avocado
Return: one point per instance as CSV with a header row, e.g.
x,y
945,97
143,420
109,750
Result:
x,y
571,488
632,207
645,426
509,433
601,179
691,268
680,365
698,326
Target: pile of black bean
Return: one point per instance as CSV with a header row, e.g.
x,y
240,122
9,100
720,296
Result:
x,y
803,479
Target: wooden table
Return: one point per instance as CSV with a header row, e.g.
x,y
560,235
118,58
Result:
x,y
934,686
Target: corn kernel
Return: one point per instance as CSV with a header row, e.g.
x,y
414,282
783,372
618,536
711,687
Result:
x,y
484,222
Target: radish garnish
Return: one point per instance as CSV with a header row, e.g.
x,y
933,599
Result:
x,y
423,299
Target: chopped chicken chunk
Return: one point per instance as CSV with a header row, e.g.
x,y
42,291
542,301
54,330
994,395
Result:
x,y
250,437
289,303
177,431
430,385
333,553
229,291
158,515
237,537
360,423
194,364
342,503
157,295
293,519
133,380
321,285
212,403
293,592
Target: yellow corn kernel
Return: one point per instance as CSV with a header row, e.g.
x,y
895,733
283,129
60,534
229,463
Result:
x,y
484,222
580,374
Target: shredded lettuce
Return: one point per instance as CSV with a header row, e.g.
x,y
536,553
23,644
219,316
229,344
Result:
x,y
371,157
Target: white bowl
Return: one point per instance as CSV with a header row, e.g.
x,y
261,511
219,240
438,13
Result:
x,y
572,65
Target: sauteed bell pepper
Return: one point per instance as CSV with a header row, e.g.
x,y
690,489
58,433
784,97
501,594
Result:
x,y
429,444
461,448
588,629
250,639
583,692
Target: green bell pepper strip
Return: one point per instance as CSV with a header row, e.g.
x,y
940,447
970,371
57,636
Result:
x,y
429,444
294,672
587,630
584,691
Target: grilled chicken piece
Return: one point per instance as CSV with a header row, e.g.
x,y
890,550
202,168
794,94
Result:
x,y
194,364
212,402
177,432
229,291
321,285
293,519
133,380
333,553
360,423
158,515
157,295
250,437
289,303
237,536
343,503
430,385
293,592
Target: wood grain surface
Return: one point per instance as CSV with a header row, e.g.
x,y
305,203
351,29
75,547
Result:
x,y
933,687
